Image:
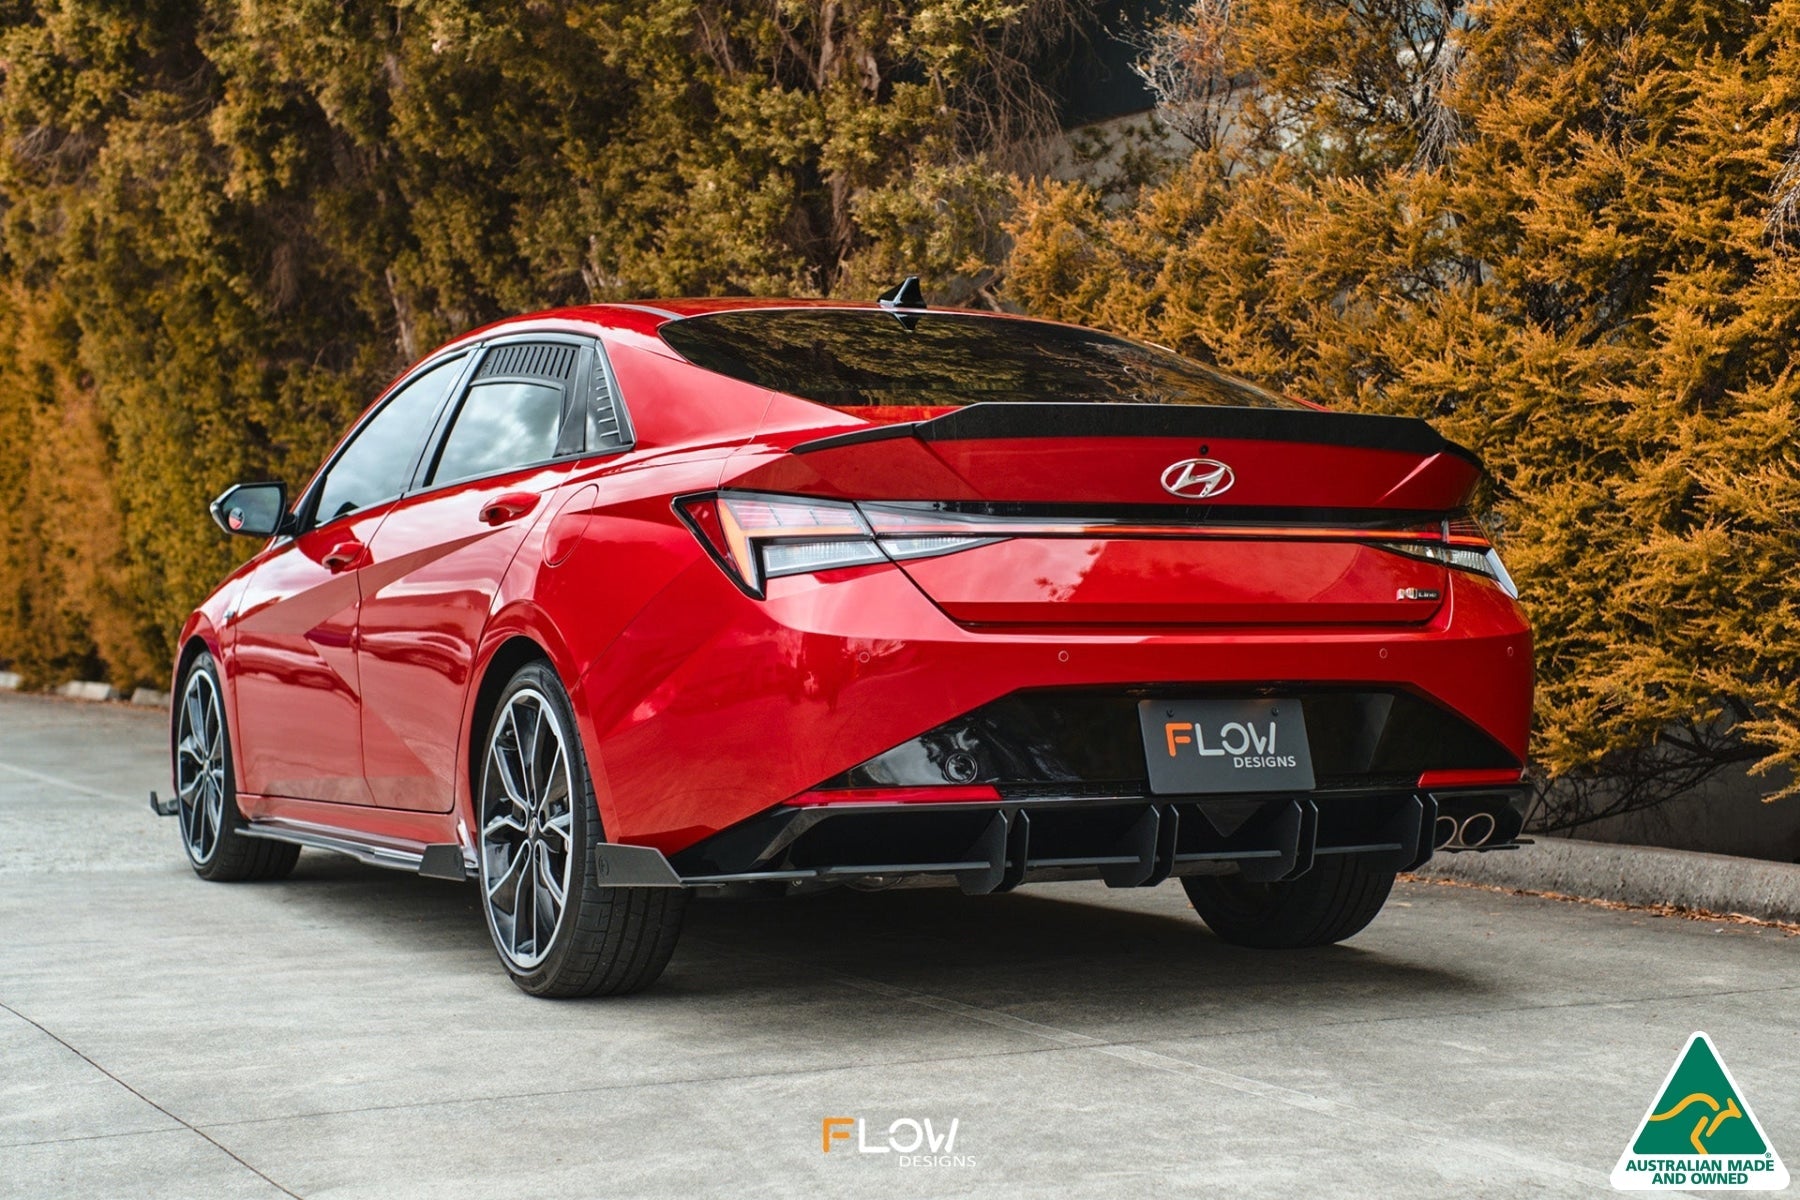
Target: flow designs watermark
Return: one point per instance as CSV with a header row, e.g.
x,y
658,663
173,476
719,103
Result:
x,y
912,1141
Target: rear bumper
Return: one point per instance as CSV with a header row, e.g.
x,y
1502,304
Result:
x,y
712,707
985,848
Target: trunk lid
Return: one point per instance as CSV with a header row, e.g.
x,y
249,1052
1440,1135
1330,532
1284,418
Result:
x,y
1123,514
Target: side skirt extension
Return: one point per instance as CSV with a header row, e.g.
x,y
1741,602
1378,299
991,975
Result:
x,y
446,861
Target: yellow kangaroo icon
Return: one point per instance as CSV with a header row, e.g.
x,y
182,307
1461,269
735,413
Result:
x,y
1709,1123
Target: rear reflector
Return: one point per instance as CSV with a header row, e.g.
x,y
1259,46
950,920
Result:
x,y
1482,778
976,793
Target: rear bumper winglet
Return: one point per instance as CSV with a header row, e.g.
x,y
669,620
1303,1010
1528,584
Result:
x,y
617,865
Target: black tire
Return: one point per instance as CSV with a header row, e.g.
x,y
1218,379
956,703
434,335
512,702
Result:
x,y
608,941
1335,900
210,823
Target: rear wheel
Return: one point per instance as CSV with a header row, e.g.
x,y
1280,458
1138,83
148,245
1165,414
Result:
x,y
206,785
1335,900
558,932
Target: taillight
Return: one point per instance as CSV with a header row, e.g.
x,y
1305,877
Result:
x,y
757,538
1463,545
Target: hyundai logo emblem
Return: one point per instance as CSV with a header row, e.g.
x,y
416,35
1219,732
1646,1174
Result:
x,y
1197,478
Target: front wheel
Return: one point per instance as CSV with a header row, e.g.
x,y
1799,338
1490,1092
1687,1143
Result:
x,y
206,785
558,932
1335,900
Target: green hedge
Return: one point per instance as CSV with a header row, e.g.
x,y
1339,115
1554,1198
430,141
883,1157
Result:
x,y
223,227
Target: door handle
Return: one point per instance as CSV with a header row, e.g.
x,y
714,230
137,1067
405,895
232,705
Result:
x,y
509,507
342,556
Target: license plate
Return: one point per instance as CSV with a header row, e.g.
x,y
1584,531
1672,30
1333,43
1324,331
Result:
x,y
1202,746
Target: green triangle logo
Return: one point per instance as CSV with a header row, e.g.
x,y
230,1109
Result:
x,y
1700,1133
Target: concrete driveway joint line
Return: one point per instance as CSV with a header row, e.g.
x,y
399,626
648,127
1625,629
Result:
x,y
197,1132
58,782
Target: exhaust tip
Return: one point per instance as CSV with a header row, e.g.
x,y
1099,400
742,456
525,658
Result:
x,y
1443,832
1476,830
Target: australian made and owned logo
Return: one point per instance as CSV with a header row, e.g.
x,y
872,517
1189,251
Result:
x,y
1700,1133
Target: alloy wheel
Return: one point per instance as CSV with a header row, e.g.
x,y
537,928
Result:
x,y
527,830
200,767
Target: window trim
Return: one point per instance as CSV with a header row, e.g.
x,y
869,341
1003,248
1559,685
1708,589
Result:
x,y
305,511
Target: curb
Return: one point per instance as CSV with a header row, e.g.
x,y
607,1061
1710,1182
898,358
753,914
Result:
x,y
86,689
91,691
1639,875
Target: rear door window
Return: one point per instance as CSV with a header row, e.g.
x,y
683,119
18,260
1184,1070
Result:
x,y
517,413
500,427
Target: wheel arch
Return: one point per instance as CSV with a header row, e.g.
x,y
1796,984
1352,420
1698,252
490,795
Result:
x,y
515,652
512,649
191,649
198,639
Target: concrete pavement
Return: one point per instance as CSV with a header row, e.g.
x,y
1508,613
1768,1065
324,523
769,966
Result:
x,y
347,1033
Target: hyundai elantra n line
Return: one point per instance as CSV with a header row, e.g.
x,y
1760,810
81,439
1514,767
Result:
x,y
603,607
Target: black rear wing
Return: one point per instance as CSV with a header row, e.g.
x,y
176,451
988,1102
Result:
x,y
1364,431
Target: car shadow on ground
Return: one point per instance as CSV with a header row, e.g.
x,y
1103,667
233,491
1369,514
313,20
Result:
x,y
1053,951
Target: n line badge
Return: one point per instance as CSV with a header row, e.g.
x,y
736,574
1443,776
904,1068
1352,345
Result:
x,y
1700,1133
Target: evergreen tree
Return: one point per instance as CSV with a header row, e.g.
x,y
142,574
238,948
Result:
x,y
1545,225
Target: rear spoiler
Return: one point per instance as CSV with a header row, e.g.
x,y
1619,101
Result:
x,y
1363,431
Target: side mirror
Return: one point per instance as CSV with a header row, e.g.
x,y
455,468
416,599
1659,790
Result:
x,y
252,509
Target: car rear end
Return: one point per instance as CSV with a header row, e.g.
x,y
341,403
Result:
x,y
989,601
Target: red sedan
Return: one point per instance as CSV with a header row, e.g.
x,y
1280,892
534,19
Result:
x,y
606,605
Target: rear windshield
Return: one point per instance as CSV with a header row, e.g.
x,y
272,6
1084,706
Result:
x,y
858,358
